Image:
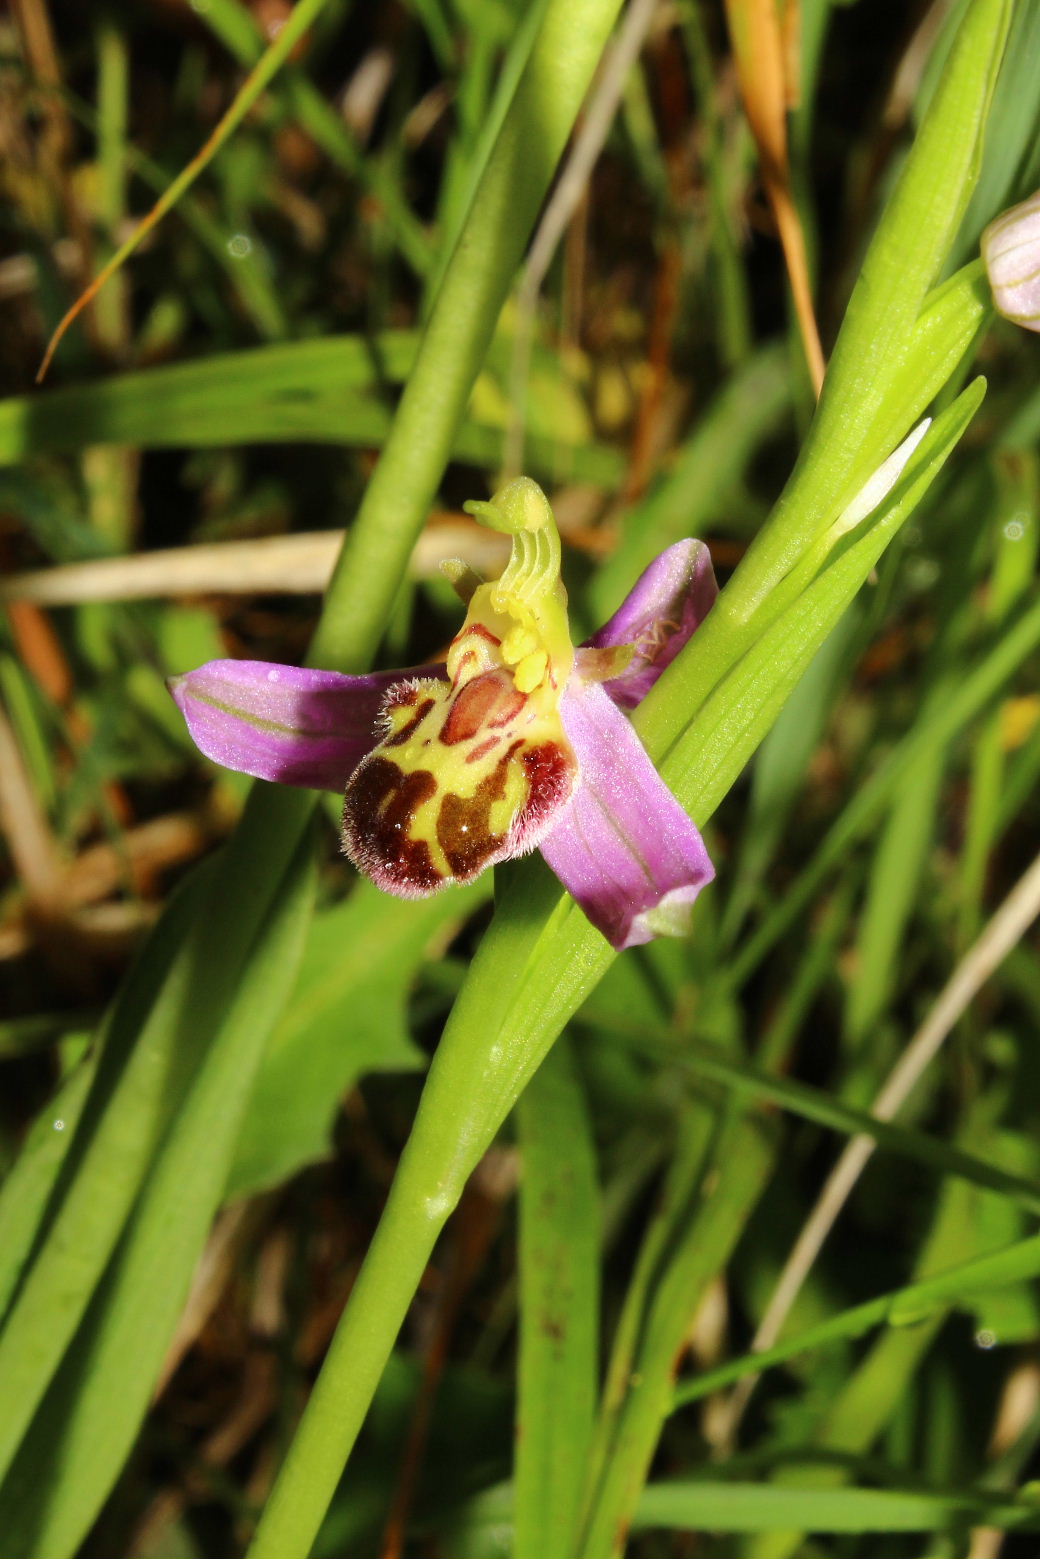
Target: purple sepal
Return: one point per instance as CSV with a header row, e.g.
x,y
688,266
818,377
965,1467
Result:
x,y
623,846
668,601
285,723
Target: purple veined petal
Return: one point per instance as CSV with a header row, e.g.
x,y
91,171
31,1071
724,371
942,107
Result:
x,y
668,601
623,847
285,723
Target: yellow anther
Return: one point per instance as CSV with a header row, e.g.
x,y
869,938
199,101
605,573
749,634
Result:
x,y
530,672
518,644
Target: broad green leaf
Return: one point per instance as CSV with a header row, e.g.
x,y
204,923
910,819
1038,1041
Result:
x,y
347,1017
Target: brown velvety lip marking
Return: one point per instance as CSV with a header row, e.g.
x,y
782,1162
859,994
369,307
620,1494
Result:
x,y
464,824
378,813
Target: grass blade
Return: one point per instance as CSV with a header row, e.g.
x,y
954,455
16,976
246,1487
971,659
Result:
x,y
559,1330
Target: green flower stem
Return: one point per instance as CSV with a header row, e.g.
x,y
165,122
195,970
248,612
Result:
x,y
473,1082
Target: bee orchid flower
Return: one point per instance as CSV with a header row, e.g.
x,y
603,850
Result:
x,y
517,742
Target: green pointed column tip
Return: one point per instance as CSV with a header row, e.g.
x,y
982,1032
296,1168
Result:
x,y
530,586
519,506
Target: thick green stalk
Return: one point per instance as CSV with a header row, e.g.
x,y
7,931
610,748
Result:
x,y
470,1088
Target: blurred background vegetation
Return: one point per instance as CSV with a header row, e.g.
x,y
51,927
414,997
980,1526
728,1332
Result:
x,y
176,491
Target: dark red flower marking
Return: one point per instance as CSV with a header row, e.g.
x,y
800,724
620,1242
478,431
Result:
x,y
489,700
378,812
411,726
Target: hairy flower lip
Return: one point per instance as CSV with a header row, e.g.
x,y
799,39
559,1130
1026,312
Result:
x,y
620,843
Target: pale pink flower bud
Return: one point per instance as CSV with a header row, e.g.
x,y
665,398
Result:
x,y
1011,250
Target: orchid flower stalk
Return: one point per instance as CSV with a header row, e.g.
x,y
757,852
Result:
x,y
518,741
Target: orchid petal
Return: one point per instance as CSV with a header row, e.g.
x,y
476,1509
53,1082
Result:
x,y
668,601
285,723
623,846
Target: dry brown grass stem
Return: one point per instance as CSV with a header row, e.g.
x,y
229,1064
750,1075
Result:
x,y
283,565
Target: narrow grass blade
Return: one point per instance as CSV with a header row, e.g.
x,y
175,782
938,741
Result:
x,y
825,1110
899,861
152,1048
89,1418
724,1209
717,1506
559,1308
267,66
902,1307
